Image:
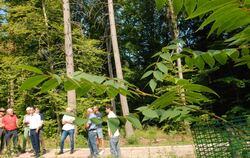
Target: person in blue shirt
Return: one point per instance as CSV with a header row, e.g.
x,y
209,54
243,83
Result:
x,y
92,133
99,140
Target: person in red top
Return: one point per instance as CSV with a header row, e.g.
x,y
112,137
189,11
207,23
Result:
x,y
10,122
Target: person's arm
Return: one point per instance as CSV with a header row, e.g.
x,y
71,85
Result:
x,y
16,122
39,121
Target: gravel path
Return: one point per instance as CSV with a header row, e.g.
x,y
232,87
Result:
x,y
178,151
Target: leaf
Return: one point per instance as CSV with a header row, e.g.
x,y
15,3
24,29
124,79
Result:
x,y
30,68
244,51
166,56
158,75
169,114
142,108
49,85
112,92
164,100
160,4
189,6
113,124
199,62
221,58
134,121
33,81
189,61
162,67
148,73
150,114
70,84
89,77
208,59
96,120
152,84
199,88
209,6
80,121
177,4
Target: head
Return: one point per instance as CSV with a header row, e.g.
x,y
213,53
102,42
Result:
x,y
37,110
32,110
89,111
109,108
10,111
96,108
28,110
69,109
2,111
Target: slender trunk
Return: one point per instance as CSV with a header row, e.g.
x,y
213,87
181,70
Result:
x,y
45,14
110,67
71,95
175,35
11,94
124,103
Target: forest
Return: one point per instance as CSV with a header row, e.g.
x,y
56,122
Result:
x,y
174,62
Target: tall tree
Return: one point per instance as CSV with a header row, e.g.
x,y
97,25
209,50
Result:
x,y
69,51
123,99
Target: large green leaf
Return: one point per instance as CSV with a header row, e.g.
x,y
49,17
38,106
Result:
x,y
162,67
221,57
169,114
199,88
177,4
134,121
160,4
80,121
164,100
210,6
207,57
49,85
199,62
150,113
33,81
96,120
30,68
71,84
113,124
158,75
189,6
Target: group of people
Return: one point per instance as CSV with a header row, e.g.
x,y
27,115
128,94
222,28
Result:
x,y
33,125
95,132
33,129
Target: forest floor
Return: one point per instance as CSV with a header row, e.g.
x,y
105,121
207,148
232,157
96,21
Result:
x,y
174,151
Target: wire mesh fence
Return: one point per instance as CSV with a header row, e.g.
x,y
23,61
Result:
x,y
220,139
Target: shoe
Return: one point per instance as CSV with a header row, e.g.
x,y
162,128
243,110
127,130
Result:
x,y
44,151
101,152
60,153
72,151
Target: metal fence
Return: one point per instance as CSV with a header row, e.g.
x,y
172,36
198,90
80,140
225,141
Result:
x,y
220,139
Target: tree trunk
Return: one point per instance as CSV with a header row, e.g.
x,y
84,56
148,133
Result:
x,y
110,67
11,94
71,95
124,103
175,35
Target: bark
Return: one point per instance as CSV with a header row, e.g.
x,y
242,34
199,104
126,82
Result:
x,y
124,103
71,95
175,34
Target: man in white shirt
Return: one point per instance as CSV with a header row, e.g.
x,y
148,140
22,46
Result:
x,y
35,125
67,129
114,138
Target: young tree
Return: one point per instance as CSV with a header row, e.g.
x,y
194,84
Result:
x,y
123,99
69,51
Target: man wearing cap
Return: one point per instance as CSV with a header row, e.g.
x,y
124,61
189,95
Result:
x,y
26,129
10,122
2,111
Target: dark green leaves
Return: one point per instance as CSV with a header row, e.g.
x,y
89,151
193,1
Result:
x,y
134,121
113,124
30,68
160,4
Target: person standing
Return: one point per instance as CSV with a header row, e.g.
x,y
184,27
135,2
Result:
x,y
35,125
26,129
2,111
114,137
10,122
68,129
37,110
92,133
99,140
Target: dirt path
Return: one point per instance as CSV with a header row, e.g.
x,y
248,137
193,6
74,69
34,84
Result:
x,y
178,151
